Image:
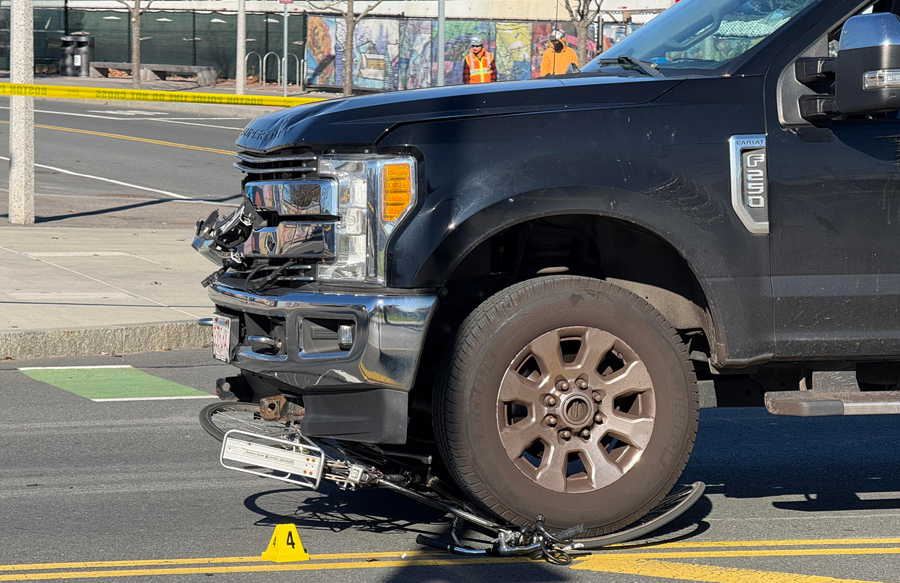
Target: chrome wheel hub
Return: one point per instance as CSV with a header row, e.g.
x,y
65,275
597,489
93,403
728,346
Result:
x,y
575,409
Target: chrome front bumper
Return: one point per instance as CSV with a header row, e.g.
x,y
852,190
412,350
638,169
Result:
x,y
388,336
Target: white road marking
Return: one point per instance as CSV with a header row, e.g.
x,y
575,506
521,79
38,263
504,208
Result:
x,y
204,125
195,121
45,297
131,112
135,197
37,254
204,118
76,253
154,398
110,180
75,367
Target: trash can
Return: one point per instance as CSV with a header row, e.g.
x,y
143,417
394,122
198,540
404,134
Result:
x,y
66,54
76,54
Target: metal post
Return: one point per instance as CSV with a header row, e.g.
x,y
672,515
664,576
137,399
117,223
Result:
x,y
440,41
284,58
194,38
241,74
21,116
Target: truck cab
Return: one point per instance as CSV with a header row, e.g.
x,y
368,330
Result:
x,y
525,280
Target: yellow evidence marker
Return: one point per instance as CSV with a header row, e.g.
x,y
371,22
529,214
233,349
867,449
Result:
x,y
285,545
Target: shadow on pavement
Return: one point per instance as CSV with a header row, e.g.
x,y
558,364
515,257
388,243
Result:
x,y
368,510
820,464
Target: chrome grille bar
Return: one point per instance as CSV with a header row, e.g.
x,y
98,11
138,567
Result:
x,y
278,170
252,158
275,164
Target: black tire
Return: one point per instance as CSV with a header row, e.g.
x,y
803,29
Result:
x,y
510,337
219,418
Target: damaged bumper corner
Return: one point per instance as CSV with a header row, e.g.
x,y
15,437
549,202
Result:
x,y
351,358
310,331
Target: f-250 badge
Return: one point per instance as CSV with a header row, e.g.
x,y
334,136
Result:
x,y
749,183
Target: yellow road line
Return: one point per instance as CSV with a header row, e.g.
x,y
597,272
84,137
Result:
x,y
131,139
771,543
704,573
211,560
267,568
753,553
654,552
646,564
57,92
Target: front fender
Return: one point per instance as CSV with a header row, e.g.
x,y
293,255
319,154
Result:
x,y
661,166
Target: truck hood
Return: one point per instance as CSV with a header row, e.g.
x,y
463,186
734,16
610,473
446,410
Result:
x,y
363,121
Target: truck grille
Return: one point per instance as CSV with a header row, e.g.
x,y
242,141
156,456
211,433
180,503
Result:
x,y
278,165
286,250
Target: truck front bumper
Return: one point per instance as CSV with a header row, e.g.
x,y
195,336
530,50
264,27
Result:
x,y
356,391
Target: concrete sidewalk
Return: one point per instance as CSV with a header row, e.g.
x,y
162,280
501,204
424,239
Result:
x,y
69,291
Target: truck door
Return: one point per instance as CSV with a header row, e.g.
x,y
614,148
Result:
x,y
834,217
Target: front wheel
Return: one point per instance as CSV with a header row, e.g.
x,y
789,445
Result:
x,y
217,419
568,397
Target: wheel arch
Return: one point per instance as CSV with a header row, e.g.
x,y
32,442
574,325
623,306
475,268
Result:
x,y
630,251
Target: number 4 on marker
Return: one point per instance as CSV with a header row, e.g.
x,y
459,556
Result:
x,y
291,550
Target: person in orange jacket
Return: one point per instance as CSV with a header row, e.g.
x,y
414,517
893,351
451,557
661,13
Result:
x,y
479,65
559,56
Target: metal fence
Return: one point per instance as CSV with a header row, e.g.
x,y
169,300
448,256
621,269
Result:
x,y
49,25
391,53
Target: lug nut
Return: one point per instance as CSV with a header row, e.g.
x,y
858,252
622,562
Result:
x,y
551,420
597,397
581,384
562,386
549,400
598,418
585,433
565,434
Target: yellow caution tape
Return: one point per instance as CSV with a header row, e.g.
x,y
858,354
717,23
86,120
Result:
x,y
56,91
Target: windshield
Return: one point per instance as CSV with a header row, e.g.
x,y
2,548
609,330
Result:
x,y
704,34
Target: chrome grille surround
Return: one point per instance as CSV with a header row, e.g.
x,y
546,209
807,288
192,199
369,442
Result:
x,y
292,240
301,214
294,197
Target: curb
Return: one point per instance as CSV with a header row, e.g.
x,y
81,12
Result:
x,y
112,340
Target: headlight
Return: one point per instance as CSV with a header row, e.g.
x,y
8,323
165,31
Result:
x,y
375,193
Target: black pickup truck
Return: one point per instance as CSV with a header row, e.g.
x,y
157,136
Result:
x,y
522,282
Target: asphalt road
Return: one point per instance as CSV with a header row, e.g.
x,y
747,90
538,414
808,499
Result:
x,y
92,158
136,487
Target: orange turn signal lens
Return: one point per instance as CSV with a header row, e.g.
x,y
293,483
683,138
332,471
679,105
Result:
x,y
396,192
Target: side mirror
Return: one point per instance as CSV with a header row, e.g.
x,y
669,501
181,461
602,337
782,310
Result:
x,y
867,68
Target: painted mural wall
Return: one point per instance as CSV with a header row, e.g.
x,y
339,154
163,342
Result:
x,y
392,54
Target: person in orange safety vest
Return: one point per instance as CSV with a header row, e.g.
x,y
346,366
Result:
x,y
559,56
479,65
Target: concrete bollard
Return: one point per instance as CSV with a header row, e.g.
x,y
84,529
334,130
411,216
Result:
x,y
21,116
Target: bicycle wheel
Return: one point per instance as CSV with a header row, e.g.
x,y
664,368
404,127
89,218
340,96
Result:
x,y
219,418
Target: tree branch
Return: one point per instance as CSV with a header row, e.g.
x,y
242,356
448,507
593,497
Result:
x,y
568,9
368,9
333,7
592,15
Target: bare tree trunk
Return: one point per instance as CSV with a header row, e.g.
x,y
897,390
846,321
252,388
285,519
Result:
x,y
350,19
583,30
136,44
582,16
